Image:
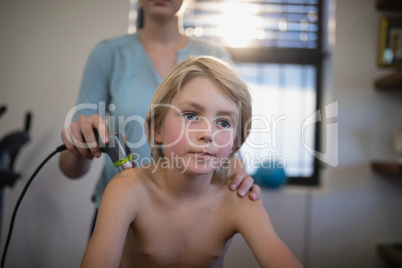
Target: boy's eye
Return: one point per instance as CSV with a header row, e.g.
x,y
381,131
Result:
x,y
190,116
224,123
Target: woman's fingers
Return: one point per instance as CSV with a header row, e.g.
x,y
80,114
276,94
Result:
x,y
80,138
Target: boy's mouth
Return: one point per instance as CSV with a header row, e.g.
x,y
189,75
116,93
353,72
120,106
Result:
x,y
203,154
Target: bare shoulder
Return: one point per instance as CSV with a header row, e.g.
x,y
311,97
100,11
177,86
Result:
x,y
240,208
130,177
131,183
243,211
233,200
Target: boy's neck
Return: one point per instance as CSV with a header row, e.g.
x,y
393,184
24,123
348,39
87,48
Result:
x,y
181,185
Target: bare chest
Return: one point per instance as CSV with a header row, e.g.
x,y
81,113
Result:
x,y
185,238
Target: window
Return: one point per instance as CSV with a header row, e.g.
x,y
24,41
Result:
x,y
276,46
284,95
258,23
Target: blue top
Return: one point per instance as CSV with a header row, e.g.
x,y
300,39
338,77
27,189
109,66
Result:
x,y
118,83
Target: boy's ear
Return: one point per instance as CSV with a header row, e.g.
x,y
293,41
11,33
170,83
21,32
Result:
x,y
156,134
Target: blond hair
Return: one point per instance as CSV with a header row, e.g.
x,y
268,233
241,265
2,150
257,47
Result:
x,y
225,77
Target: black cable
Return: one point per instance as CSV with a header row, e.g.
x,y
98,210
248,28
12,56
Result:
x,y
10,231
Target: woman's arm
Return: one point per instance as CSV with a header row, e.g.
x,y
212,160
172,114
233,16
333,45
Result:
x,y
78,130
117,211
73,166
253,223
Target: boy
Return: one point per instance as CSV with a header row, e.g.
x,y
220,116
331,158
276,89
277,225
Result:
x,y
177,212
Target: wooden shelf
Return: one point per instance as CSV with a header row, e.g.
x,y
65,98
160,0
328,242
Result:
x,y
389,5
387,168
392,253
391,82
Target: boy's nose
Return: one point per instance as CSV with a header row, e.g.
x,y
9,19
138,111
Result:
x,y
206,136
205,130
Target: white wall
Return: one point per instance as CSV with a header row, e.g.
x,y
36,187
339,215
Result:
x,y
360,208
43,47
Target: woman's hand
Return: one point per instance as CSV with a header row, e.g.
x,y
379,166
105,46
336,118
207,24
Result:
x,y
244,183
79,137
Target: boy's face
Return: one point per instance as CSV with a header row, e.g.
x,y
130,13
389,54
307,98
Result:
x,y
199,127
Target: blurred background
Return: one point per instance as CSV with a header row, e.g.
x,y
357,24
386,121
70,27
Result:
x,y
299,57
